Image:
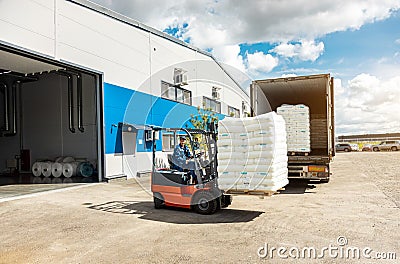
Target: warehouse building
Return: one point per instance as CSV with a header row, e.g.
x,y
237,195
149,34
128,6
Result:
x,y
78,80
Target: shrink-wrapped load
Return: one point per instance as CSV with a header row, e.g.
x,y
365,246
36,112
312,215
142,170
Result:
x,y
252,153
297,118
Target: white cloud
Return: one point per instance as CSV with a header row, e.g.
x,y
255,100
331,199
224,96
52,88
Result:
x,y
215,24
232,22
368,105
233,63
259,61
230,55
287,75
338,88
256,62
397,41
305,50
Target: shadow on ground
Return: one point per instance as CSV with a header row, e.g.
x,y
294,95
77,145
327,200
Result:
x,y
175,215
298,187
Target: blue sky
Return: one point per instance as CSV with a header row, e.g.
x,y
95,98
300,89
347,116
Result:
x,y
357,41
346,53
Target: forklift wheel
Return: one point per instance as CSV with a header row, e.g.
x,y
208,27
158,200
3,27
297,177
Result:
x,y
158,202
205,204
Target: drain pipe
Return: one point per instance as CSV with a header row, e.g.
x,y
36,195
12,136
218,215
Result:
x,y
11,127
6,117
70,100
15,85
80,103
13,131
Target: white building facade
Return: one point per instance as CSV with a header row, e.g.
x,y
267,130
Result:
x,y
74,76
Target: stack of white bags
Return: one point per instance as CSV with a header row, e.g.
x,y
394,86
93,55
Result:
x,y
297,118
252,153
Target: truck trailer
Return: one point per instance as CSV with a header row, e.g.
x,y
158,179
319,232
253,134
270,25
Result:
x,y
316,92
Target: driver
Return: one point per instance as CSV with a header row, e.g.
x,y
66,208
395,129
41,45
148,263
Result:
x,y
181,158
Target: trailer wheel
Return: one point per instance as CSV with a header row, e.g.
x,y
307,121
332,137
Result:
x,y
158,201
205,203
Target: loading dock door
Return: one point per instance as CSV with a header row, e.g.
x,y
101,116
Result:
x,y
39,111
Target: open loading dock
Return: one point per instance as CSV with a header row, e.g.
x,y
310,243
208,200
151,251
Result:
x,y
48,111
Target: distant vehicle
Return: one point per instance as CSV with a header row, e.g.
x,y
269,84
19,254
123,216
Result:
x,y
367,148
392,145
343,147
354,147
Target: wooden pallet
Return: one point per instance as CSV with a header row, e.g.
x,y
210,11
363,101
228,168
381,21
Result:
x,y
252,192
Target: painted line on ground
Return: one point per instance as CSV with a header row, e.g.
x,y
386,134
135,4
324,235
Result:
x,y
23,196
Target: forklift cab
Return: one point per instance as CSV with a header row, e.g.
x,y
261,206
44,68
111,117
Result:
x,y
191,185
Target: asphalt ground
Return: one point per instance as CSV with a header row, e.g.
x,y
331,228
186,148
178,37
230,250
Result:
x,y
117,223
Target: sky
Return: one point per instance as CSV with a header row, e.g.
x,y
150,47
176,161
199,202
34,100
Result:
x,y
357,42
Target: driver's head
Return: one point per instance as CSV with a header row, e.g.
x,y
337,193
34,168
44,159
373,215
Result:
x,y
182,140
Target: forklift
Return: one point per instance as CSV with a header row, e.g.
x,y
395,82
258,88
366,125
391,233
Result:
x,y
193,188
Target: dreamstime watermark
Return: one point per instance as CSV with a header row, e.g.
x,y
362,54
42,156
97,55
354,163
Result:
x,y
340,250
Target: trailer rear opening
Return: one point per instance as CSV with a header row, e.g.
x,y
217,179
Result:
x,y
316,92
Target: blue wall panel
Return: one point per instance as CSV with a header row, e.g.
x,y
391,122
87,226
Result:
x,y
115,101
123,105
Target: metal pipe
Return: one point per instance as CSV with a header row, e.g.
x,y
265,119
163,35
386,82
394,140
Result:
x,y
70,100
70,104
13,130
21,121
6,117
80,103
16,85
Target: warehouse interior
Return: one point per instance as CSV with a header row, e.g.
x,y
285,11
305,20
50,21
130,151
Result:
x,y
49,122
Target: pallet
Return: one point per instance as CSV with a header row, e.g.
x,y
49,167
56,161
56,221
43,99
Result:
x,y
252,192
298,153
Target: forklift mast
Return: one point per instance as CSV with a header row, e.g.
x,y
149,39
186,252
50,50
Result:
x,y
210,137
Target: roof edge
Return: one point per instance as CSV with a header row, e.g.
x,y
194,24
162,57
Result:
x,y
132,22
